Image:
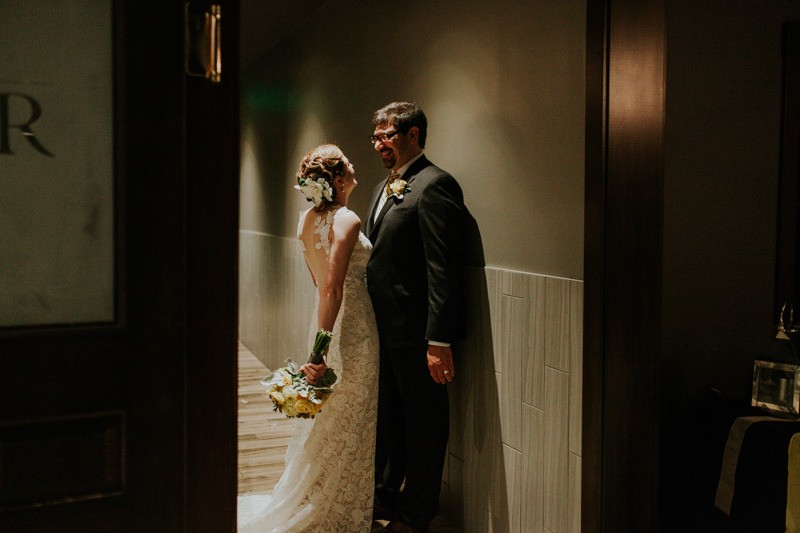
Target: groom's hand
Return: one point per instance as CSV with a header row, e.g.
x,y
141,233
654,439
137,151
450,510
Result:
x,y
440,364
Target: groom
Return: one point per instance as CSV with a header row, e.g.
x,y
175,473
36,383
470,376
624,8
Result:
x,y
414,279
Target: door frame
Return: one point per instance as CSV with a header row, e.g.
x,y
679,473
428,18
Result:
x,y
212,255
625,87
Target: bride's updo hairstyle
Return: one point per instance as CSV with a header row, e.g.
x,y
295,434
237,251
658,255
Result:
x,y
318,170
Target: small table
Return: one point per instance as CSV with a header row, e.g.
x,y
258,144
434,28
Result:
x,y
753,480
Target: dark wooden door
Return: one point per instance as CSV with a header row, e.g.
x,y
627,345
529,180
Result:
x,y
129,424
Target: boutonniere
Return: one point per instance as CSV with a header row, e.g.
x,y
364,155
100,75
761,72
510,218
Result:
x,y
399,188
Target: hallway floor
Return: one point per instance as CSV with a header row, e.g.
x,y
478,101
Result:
x,y
264,435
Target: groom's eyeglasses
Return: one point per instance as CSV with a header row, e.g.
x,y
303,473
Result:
x,y
383,137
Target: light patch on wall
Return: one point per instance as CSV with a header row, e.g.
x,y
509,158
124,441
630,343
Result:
x,y
250,183
455,91
308,133
456,96
506,120
306,130
468,129
501,85
311,133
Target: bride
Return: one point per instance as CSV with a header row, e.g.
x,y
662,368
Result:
x,y
328,482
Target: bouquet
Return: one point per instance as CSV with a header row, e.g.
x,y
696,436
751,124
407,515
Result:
x,y
289,389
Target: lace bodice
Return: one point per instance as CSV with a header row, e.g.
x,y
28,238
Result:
x,y
328,482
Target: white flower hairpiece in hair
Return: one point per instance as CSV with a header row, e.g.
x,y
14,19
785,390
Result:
x,y
315,190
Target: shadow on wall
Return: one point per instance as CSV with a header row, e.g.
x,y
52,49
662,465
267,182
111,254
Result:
x,y
475,489
473,244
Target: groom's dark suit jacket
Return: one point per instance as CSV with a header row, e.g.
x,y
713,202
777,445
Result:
x,y
414,274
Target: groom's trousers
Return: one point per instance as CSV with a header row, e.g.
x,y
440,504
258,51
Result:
x,y
413,427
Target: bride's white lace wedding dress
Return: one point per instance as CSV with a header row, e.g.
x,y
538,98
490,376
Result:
x,y
328,482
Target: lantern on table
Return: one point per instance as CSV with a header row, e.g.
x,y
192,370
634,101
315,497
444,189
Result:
x,y
776,374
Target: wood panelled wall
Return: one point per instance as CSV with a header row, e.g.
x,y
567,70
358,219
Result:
x,y
515,443
276,298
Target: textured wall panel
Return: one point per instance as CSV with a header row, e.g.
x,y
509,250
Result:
x,y
556,338
576,366
533,360
574,511
556,453
510,377
276,298
532,473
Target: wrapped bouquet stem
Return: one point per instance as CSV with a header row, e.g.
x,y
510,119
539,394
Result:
x,y
289,389
321,343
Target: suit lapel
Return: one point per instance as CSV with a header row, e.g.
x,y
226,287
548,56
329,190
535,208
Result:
x,y
409,176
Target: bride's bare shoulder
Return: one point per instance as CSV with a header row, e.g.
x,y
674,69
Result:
x,y
346,224
347,217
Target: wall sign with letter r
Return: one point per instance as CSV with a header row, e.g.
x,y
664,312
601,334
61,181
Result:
x,y
24,127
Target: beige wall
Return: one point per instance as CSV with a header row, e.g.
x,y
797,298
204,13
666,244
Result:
x,y
503,86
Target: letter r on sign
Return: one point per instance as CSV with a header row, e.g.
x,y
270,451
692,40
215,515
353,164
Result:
x,y
25,127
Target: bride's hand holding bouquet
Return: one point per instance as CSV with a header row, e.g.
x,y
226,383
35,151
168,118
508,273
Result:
x,y
301,391
316,368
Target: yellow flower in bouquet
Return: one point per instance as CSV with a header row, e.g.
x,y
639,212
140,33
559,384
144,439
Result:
x,y
277,397
290,391
303,406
